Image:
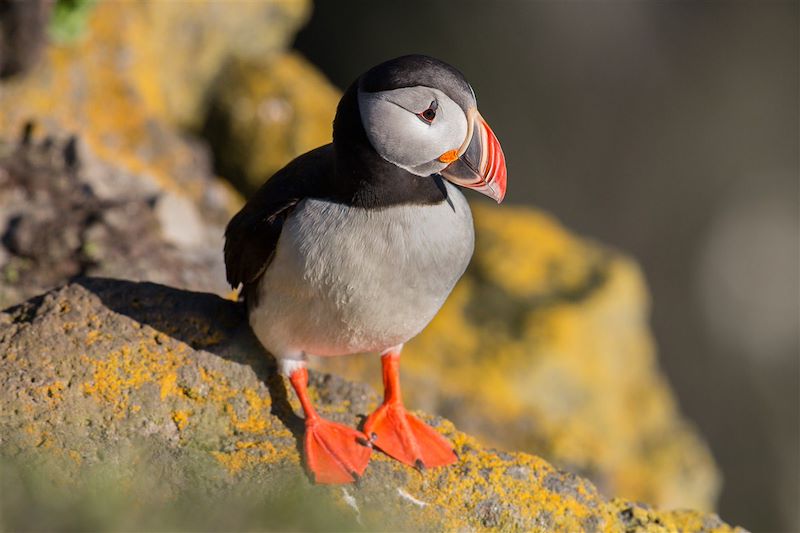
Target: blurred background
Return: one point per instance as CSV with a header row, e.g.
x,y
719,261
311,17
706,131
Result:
x,y
665,130
669,130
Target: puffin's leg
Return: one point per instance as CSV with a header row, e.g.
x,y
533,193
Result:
x,y
400,434
334,453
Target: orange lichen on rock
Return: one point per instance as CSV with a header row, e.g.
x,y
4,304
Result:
x,y
257,413
181,418
128,369
251,454
52,391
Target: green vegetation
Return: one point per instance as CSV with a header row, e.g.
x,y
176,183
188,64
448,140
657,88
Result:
x,y
37,497
68,21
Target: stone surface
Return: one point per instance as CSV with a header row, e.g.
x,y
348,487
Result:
x,y
63,213
544,346
266,112
138,70
159,392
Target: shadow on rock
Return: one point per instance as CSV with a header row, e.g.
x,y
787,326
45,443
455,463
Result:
x,y
203,321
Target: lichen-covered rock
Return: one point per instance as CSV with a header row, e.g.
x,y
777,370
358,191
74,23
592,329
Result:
x,y
182,50
544,346
63,214
266,112
138,70
166,392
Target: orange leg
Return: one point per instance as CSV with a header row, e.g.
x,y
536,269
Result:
x,y
400,434
334,453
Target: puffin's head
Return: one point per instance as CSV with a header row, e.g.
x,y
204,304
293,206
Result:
x,y
420,114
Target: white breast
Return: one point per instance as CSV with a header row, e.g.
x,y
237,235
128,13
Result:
x,y
347,280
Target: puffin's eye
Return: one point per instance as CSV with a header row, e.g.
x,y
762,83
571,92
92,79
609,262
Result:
x,y
429,114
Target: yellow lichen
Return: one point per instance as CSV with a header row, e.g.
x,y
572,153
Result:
x,y
208,334
453,490
181,419
169,385
158,360
219,390
93,336
126,369
257,413
250,454
52,392
75,456
527,252
647,520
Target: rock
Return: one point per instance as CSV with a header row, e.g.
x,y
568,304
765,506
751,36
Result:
x,y
139,70
124,391
266,112
199,41
64,214
544,346
181,223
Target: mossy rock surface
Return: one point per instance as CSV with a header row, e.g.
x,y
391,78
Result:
x,y
168,390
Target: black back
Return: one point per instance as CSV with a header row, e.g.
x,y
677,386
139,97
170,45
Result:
x,y
252,234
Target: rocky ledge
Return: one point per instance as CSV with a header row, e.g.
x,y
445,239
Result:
x,y
162,393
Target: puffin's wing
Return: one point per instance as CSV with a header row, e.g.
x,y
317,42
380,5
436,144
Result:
x,y
252,234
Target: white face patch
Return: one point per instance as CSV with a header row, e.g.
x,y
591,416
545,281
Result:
x,y
400,136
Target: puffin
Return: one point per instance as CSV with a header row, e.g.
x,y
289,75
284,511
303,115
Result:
x,y
354,246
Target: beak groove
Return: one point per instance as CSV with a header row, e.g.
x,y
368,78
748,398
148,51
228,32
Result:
x,y
482,164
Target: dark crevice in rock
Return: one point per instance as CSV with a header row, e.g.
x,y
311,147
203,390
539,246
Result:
x,y
23,34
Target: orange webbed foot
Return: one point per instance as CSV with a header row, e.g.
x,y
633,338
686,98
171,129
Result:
x,y
335,454
408,439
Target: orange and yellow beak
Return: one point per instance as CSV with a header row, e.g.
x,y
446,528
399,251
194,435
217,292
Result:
x,y
480,163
